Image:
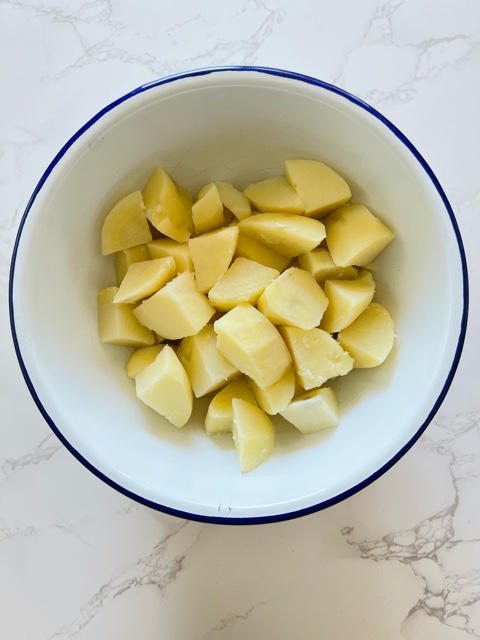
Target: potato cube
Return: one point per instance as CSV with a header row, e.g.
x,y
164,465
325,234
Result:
x,y
285,233
276,397
141,358
244,281
274,194
185,195
313,411
126,225
319,263
234,200
164,386
355,235
206,368
144,278
219,416
346,301
207,212
321,189
179,251
253,434
369,339
177,310
252,344
212,254
252,249
294,298
117,324
167,209
126,257
316,356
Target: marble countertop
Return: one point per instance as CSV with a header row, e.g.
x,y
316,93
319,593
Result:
x,y
398,561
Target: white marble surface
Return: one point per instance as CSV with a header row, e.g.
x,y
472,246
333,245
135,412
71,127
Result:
x,y
400,560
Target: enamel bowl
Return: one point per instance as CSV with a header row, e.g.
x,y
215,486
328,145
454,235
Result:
x,y
233,124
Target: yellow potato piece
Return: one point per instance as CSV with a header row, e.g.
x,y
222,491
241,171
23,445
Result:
x,y
252,344
126,225
185,195
219,416
244,281
253,434
141,358
177,310
319,263
294,298
313,411
274,194
207,212
179,251
355,235
277,396
321,189
126,257
167,209
212,254
369,339
316,356
346,301
164,386
117,324
206,368
285,233
252,249
144,278
234,200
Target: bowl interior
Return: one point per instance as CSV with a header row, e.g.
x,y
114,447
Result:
x,y
240,127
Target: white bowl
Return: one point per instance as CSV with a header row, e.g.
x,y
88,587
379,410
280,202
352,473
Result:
x,y
237,124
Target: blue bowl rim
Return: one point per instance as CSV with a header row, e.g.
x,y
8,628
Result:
x,y
290,75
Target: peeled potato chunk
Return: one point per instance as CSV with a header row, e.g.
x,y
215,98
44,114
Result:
x,y
253,434
286,233
141,358
117,324
167,209
185,195
177,310
212,254
234,200
144,278
319,263
126,257
207,212
346,301
164,386
294,298
316,356
313,411
179,251
206,368
126,225
244,281
252,249
355,235
274,194
219,416
321,189
369,339
252,344
276,397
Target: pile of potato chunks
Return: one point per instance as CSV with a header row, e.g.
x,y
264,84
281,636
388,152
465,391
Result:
x,y
258,296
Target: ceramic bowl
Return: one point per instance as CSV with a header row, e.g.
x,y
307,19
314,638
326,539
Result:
x,y
233,124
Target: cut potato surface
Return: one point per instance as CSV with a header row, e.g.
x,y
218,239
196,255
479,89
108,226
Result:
x,y
141,358
274,194
276,397
346,301
219,416
321,189
369,339
126,257
117,324
257,251
234,200
164,387
207,212
253,434
212,254
126,225
319,263
285,233
145,278
179,251
313,411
